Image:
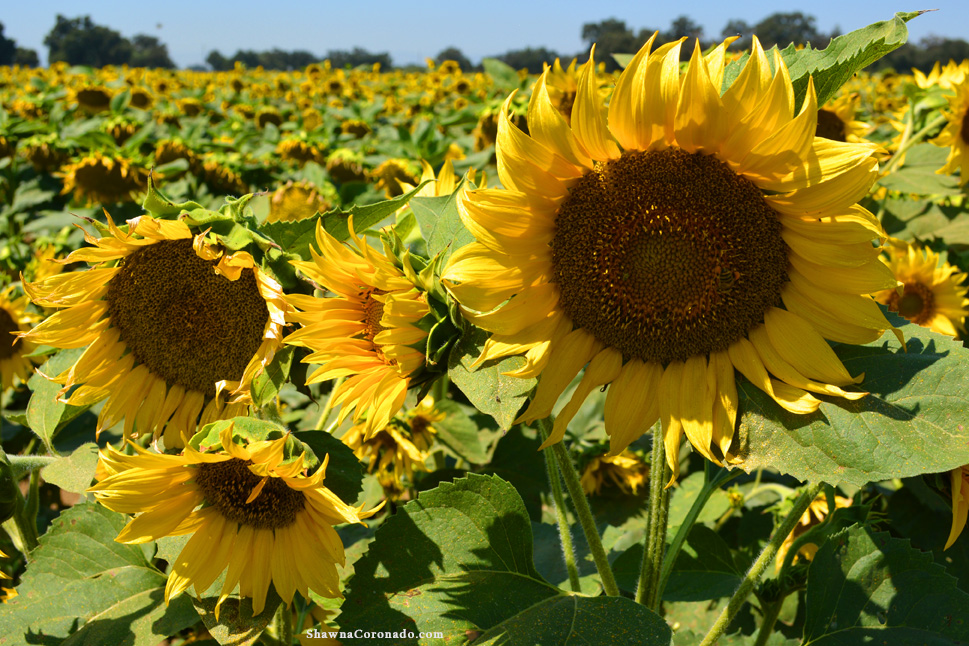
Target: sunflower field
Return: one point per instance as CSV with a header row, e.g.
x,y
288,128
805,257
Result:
x,y
671,355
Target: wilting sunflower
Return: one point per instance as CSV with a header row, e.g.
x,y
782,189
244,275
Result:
x,y
14,319
960,502
393,452
248,511
955,135
102,179
366,333
175,331
933,293
625,471
694,235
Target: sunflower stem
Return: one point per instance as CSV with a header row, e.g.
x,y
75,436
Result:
x,y
713,480
328,407
565,530
770,613
903,147
757,569
655,541
284,624
584,514
21,465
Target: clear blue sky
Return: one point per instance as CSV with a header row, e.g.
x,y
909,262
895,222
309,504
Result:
x,y
411,31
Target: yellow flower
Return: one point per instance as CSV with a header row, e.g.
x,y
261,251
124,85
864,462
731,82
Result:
x,y
955,135
816,512
933,294
398,448
102,179
366,333
658,251
945,77
295,201
391,174
248,511
960,502
14,319
175,330
625,471
837,121
91,98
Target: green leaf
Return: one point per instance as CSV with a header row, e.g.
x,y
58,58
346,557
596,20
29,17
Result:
x,y
336,222
265,387
918,174
705,569
75,472
46,415
623,60
293,237
441,224
81,587
491,392
504,75
344,473
459,433
459,560
867,587
913,421
925,220
236,625
832,66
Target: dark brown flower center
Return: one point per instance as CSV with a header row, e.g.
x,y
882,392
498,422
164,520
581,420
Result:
x,y
964,129
227,485
830,126
916,303
373,310
8,342
664,255
187,324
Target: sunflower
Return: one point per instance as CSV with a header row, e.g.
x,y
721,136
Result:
x,y
960,502
295,201
933,293
176,330
391,174
945,77
625,471
955,135
837,120
14,319
248,511
102,179
368,332
91,98
815,514
694,235
398,448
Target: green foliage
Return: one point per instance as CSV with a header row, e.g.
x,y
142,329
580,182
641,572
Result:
x,y
913,420
441,224
84,587
918,175
867,586
79,41
75,472
45,414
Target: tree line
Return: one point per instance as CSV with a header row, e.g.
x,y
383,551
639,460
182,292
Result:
x,y
79,41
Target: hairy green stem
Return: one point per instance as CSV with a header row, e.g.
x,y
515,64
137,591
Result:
x,y
328,407
911,141
21,465
565,530
714,478
767,622
649,570
584,515
757,569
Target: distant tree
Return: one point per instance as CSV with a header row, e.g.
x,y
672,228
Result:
x,y
217,61
78,41
610,37
737,27
8,49
683,26
148,51
782,29
278,59
532,59
341,58
26,57
454,54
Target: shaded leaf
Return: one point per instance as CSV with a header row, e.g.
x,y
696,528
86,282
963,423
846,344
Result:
x,y
459,433
265,387
236,625
344,473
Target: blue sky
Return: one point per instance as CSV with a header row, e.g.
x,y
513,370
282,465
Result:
x,y
413,30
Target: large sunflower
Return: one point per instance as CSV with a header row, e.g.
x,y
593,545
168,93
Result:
x,y
249,512
14,319
366,333
933,294
670,240
175,330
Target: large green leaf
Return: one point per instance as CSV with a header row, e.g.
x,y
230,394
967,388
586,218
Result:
x,y
441,224
45,414
924,220
336,222
913,421
832,66
344,473
918,175
485,386
81,587
75,472
266,385
866,587
459,560
459,433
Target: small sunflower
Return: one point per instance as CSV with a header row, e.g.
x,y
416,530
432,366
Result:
x,y
102,179
932,295
945,77
398,448
345,165
14,320
837,120
298,150
391,174
91,98
295,201
955,135
367,332
356,127
251,514
626,471
689,236
44,152
175,331
816,512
